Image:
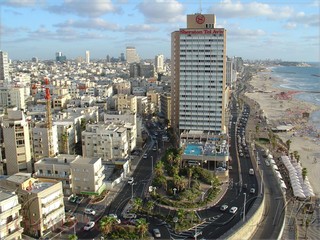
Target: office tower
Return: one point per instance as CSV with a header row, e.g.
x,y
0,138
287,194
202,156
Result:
x,y
17,142
132,56
35,59
159,63
4,68
60,58
108,58
198,55
87,56
122,59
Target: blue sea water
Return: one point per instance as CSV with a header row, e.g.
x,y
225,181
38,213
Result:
x,y
304,79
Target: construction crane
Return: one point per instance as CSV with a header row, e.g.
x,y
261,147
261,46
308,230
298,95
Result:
x,y
49,118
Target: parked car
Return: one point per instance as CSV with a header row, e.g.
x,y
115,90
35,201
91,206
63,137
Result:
x,y
89,226
224,207
130,180
129,216
79,200
252,190
89,211
233,210
145,155
156,233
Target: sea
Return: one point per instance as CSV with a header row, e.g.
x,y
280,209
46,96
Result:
x,y
304,78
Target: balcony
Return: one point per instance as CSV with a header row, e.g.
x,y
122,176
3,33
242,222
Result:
x,y
51,175
15,234
7,213
59,197
13,222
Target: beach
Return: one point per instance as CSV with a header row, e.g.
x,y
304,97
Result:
x,y
280,107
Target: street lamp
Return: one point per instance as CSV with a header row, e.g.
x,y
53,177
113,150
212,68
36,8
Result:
x,y
174,191
244,206
151,165
132,189
202,197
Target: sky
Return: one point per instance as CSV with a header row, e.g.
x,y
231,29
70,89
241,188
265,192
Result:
x,y
261,29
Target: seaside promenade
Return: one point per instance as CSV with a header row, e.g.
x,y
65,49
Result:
x,y
280,107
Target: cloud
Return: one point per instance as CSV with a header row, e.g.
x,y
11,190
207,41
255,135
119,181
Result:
x,y
140,28
236,9
162,11
244,34
92,8
21,3
95,23
290,25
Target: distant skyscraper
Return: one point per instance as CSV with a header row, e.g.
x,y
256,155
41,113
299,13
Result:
x,y
60,57
198,75
108,58
122,59
132,55
4,68
87,56
159,63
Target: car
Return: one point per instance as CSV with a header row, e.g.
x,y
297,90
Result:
x,y
89,226
145,155
154,148
129,216
89,211
130,180
73,199
252,190
230,167
233,210
223,207
79,200
156,233
251,171
245,186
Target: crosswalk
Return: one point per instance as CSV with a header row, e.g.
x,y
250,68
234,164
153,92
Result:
x,y
191,232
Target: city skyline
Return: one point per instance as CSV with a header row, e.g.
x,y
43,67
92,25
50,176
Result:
x,y
255,29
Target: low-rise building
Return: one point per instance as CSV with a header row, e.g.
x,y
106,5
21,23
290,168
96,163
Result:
x,y
10,218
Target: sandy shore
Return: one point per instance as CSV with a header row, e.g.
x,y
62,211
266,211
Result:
x,y
280,107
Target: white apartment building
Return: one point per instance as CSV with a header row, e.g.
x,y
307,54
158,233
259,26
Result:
x,y
87,56
4,68
198,76
41,200
107,141
10,218
159,63
131,55
87,176
12,96
57,168
124,102
17,142
40,140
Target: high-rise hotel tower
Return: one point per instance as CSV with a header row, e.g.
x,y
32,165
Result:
x,y
198,55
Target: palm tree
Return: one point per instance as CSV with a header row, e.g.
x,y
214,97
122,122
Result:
x,y
106,224
170,158
137,204
150,206
72,237
142,226
190,172
288,143
159,169
304,173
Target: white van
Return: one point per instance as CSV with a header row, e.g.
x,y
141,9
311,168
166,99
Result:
x,y
251,172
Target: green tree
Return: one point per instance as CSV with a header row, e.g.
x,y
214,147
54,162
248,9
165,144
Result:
x,y
106,224
150,206
159,169
288,143
170,158
72,237
142,226
137,204
189,173
304,173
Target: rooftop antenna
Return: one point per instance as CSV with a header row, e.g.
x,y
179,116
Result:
x,y
200,6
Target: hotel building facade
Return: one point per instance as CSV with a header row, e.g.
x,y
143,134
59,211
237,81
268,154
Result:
x,y
198,55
